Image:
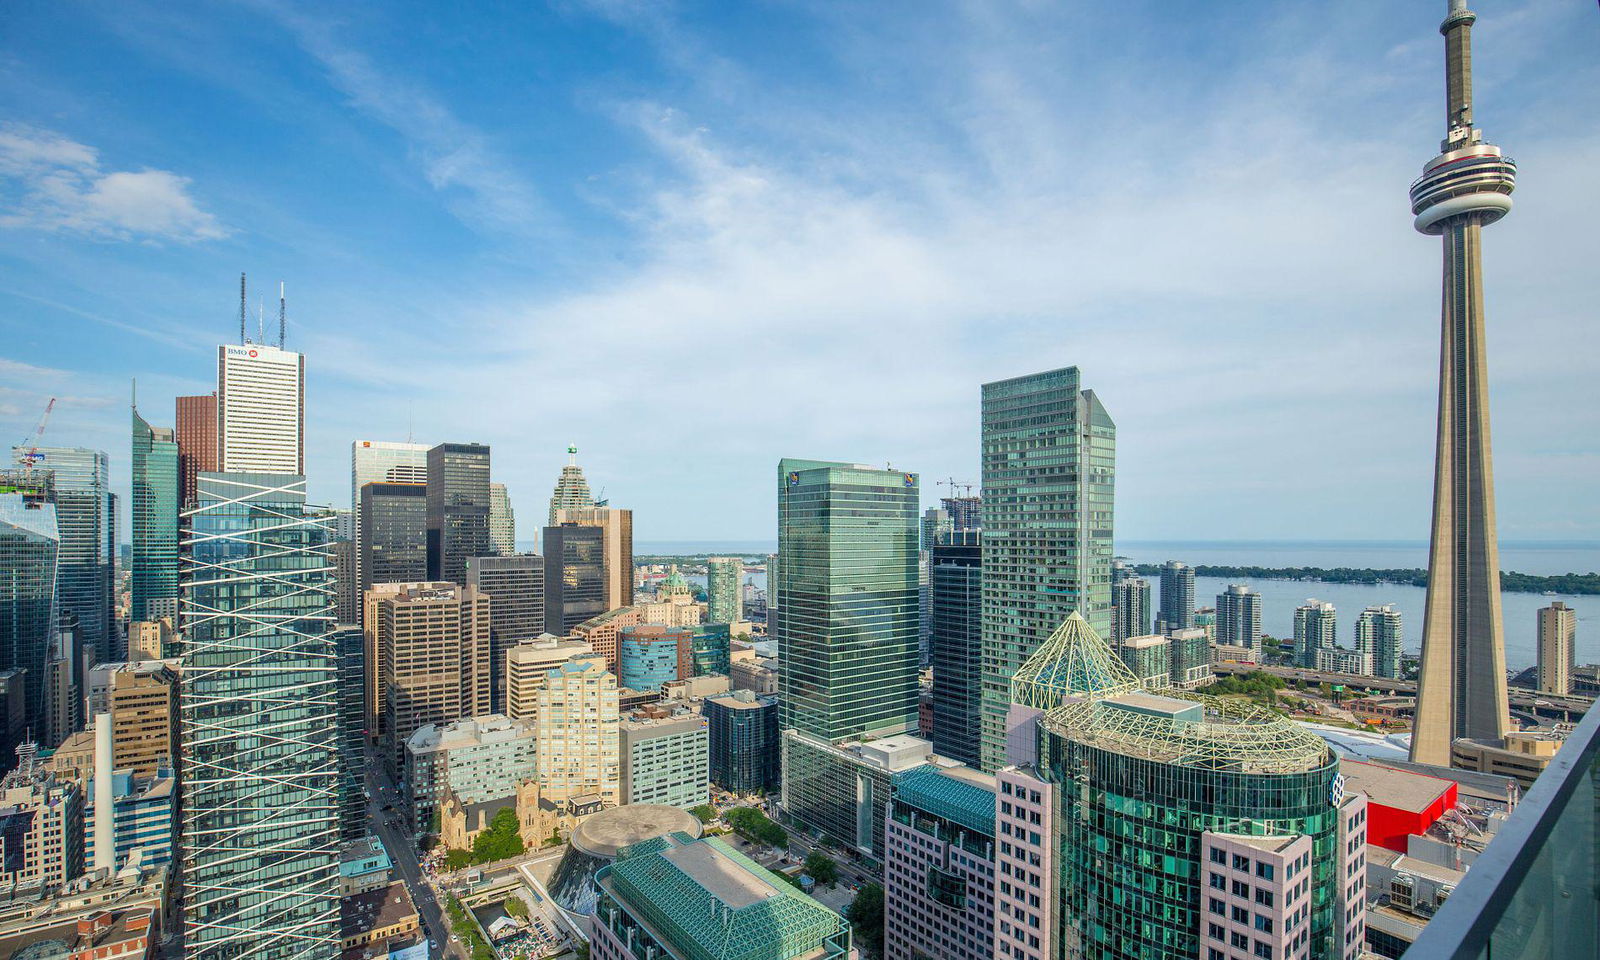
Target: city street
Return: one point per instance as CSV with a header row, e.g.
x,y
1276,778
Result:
x,y
398,842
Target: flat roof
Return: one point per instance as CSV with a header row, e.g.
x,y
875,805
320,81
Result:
x,y
722,878
375,909
1276,843
1402,789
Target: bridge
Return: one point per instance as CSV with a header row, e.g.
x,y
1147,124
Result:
x,y
1531,703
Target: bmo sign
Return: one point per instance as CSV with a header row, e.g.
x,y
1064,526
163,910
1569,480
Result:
x,y
242,353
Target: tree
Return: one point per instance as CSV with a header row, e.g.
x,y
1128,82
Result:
x,y
865,914
457,859
754,825
516,907
705,811
822,868
500,841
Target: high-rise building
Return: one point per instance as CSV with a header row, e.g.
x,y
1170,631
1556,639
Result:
x,y
347,581
1239,617
1379,631
196,431
651,655
572,490
1558,631
386,462
1315,625
392,527
575,584
577,710
939,875
1461,688
142,699
710,651
1049,470
528,666
85,517
41,825
259,722
30,543
955,575
966,513
1130,614
724,602
664,760
515,585
260,409
458,508
935,525
838,790
616,534
742,738
153,566
1177,597
349,646
502,521
1190,652
435,657
1150,659
847,631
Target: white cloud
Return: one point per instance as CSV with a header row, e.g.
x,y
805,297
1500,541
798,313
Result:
x,y
50,182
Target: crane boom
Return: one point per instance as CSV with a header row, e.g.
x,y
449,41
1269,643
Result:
x,y
28,452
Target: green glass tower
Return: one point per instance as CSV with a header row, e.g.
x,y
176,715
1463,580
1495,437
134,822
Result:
x,y
1049,467
153,574
847,572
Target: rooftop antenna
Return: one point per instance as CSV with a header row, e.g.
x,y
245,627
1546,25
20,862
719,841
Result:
x,y
261,321
281,324
572,455
134,399
410,419
242,337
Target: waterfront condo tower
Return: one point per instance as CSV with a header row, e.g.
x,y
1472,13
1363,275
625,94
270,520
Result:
x,y
1461,689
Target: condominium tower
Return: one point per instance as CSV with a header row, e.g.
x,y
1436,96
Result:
x,y
1558,628
1315,628
724,603
1130,615
1177,597
1380,632
1239,617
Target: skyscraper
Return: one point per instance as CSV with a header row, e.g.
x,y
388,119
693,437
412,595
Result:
x,y
574,576
433,641
1558,629
616,535
87,524
153,568
260,409
515,585
1049,469
1461,688
458,508
348,646
572,490
724,602
196,432
502,522
1239,617
955,640
966,513
1379,632
384,461
1315,628
1130,617
259,722
1177,596
847,632
577,711
30,544
935,524
394,533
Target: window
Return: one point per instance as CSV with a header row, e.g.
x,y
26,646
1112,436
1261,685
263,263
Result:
x,y
1263,950
1263,923
1217,856
1264,896
1218,882
1241,889
1218,908
1239,940
1240,915
1241,862
1264,871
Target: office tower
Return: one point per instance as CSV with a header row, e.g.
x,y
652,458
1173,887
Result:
x,y
1239,617
601,632
1177,596
838,790
434,641
955,644
572,490
30,543
63,683
151,639
1461,688
1314,629
616,532
723,601
664,760
742,740
196,432
349,647
84,517
153,567
528,665
1130,613
577,711
502,522
847,631
939,875
966,513
575,585
1379,632
710,651
651,655
41,825
1150,659
385,461
1049,468
478,759
677,896
259,722
347,586
458,508
935,525
392,528
515,585
1558,630
13,694
142,701
260,409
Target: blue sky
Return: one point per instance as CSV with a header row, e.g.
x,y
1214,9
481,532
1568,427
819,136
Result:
x,y
694,238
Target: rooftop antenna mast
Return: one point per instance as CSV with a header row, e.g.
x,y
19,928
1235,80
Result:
x,y
261,322
281,321
242,337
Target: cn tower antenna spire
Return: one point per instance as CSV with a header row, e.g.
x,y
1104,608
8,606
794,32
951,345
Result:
x,y
242,338
281,321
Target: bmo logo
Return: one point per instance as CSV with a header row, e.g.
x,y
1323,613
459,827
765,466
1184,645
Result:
x,y
248,353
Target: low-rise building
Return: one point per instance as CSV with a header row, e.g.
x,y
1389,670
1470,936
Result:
x,y
759,676
1521,756
127,933
1341,660
145,818
364,865
382,916
841,790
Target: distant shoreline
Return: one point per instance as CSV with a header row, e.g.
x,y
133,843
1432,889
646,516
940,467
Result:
x,y
1510,580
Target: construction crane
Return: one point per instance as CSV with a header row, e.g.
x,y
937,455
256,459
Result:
x,y
28,450
953,484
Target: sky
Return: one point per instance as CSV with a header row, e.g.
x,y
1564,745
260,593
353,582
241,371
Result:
x,y
693,238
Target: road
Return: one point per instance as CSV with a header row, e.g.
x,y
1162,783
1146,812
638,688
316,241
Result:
x,y
1542,705
380,791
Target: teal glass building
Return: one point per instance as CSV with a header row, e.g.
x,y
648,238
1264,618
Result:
x,y
648,654
153,573
847,574
1049,470
259,723
29,548
711,649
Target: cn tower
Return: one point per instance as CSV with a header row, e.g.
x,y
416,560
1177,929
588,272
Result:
x,y
1461,690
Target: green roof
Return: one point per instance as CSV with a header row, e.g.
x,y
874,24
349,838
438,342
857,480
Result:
x,y
957,799
706,901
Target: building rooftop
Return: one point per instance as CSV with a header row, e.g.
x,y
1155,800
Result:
x,y
1401,789
1073,661
609,831
740,700
1401,863
363,856
958,794
96,934
1277,843
375,910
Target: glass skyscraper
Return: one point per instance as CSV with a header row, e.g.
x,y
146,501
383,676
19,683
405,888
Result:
x,y
458,509
847,572
955,574
153,575
1049,469
723,601
259,723
29,546
85,518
